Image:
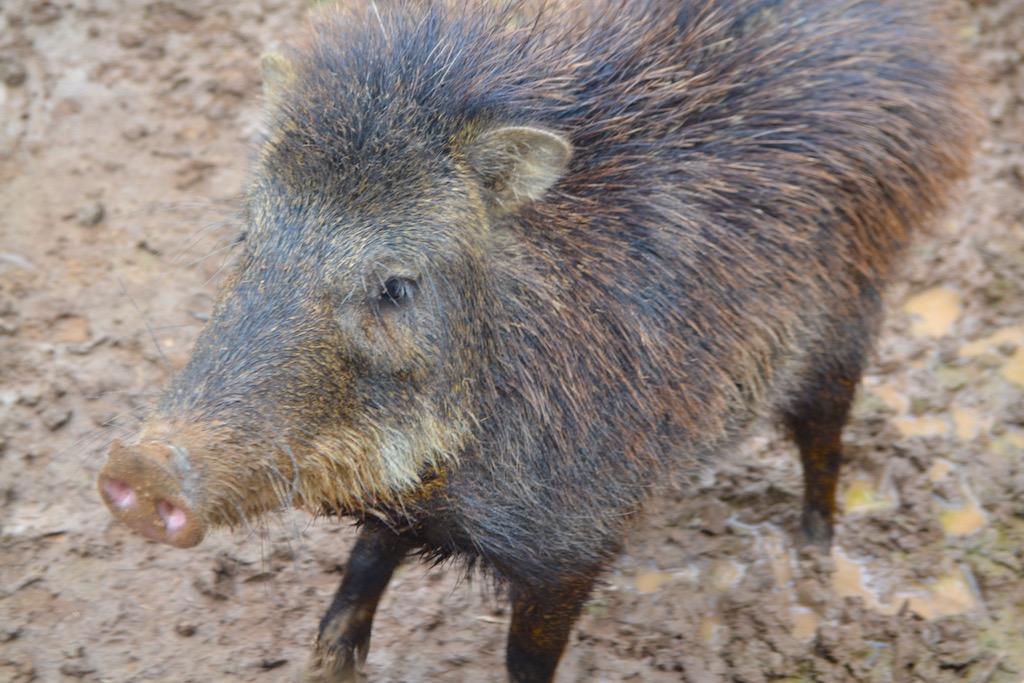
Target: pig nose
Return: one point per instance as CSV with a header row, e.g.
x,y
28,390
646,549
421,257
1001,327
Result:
x,y
141,489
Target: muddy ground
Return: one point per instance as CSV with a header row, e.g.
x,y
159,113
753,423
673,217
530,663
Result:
x,y
123,142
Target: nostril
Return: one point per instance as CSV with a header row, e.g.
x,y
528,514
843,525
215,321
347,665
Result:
x,y
174,517
120,494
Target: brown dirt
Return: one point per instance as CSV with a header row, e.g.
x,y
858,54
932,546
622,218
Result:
x,y
123,140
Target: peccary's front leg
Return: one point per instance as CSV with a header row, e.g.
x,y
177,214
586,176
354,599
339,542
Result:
x,y
344,638
542,618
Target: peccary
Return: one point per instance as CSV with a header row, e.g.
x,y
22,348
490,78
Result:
x,y
507,269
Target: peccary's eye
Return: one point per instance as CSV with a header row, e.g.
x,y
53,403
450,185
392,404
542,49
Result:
x,y
397,291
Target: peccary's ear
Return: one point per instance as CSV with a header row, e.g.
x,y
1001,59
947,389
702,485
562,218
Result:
x,y
519,163
278,74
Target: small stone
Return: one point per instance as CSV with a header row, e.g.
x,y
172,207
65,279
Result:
x,y
185,630
1007,349
76,664
270,664
12,72
55,417
42,13
9,633
135,132
130,40
92,215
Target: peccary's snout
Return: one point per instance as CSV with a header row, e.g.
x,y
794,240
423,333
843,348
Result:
x,y
140,487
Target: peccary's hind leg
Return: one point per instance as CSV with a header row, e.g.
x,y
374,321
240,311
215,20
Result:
x,y
542,618
818,414
344,637
816,427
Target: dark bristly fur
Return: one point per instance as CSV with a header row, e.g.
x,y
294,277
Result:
x,y
509,269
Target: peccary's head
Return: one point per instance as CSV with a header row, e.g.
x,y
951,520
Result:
x,y
343,354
